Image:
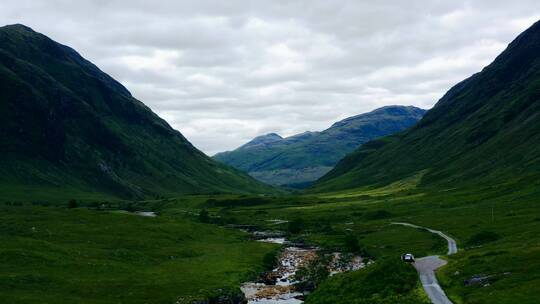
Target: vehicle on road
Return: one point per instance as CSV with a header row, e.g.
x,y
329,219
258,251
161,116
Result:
x,y
407,257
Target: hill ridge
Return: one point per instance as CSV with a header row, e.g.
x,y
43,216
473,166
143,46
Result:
x,y
301,158
69,127
484,129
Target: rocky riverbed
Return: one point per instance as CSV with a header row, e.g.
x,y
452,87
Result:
x,y
277,286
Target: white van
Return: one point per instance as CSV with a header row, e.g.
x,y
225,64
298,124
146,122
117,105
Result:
x,y
407,257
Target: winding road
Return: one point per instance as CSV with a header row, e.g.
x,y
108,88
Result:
x,y
426,267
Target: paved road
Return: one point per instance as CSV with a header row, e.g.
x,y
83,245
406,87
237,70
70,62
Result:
x,y
452,247
426,267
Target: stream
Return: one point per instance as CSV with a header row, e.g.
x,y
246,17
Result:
x,y
277,286
139,213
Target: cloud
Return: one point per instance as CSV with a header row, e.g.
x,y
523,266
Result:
x,y
223,72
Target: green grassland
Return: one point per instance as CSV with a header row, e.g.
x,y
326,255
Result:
x,y
91,256
60,255
388,281
509,214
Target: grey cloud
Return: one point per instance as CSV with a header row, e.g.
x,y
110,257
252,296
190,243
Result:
x,y
223,72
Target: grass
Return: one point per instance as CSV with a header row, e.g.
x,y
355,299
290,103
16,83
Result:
x,y
497,229
59,255
50,194
388,281
100,257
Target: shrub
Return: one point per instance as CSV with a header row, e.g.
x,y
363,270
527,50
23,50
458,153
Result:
x,y
386,281
352,245
378,215
309,277
326,228
204,217
295,226
482,238
72,203
130,207
270,259
248,201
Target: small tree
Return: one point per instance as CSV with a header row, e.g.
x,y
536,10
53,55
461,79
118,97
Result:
x,y
295,226
351,244
72,203
270,259
310,276
204,216
130,207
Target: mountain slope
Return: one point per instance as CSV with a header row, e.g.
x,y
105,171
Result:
x,y
303,158
68,127
485,130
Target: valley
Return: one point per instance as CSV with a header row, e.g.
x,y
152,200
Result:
x,y
498,268
102,201
506,262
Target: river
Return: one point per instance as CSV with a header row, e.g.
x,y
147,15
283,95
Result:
x,y
277,286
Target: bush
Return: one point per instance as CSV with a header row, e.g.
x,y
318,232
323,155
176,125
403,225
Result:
x,y
313,274
204,216
295,226
378,215
352,245
270,259
249,201
482,238
325,228
387,281
72,203
130,207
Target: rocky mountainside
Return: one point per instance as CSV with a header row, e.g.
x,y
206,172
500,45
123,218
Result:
x,y
301,159
67,127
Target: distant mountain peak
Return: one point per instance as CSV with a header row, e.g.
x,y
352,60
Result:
x,y
302,158
18,26
393,110
262,140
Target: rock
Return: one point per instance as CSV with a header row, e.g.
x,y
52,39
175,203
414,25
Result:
x,y
478,279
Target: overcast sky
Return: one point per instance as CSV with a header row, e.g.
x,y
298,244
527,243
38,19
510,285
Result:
x,y
223,72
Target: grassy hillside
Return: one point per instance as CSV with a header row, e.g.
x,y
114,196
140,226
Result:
x,y
303,158
389,281
60,255
485,130
68,127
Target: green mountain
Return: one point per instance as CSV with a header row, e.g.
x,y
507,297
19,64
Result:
x,y
67,128
483,131
301,159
